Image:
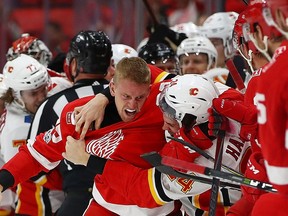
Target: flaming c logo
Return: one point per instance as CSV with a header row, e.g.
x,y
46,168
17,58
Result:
x,y
193,91
128,51
10,69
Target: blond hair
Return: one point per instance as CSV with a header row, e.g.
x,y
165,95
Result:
x,y
134,69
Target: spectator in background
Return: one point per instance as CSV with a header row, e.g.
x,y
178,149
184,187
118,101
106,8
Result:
x,y
58,42
185,11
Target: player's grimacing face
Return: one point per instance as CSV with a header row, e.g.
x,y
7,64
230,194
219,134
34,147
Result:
x,y
129,97
170,124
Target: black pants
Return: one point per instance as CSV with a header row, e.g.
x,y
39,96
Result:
x,y
75,203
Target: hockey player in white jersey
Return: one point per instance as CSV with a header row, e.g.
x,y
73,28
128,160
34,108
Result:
x,y
27,83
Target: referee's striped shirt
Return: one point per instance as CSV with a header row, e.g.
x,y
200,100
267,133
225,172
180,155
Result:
x,y
50,110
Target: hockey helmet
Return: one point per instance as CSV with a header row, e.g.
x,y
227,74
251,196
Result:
x,y
92,51
198,44
220,25
31,46
121,50
24,73
188,95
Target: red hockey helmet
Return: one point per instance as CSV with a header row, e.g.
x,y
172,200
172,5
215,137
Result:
x,y
254,18
243,44
273,10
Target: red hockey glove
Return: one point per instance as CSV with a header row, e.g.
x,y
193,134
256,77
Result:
x,y
255,170
249,131
216,123
177,150
236,110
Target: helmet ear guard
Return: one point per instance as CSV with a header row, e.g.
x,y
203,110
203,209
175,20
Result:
x,y
67,68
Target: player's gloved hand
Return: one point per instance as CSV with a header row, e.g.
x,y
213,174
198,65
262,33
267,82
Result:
x,y
216,123
255,170
236,110
177,150
160,32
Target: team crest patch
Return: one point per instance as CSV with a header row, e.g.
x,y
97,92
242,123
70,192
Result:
x,y
105,146
17,143
47,136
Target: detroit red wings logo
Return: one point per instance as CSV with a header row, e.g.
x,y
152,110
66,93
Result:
x,y
105,146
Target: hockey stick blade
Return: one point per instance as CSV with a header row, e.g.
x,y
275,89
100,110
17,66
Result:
x,y
155,160
204,154
184,165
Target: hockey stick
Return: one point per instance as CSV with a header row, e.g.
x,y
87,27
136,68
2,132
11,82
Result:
x,y
245,1
184,165
155,160
217,166
235,75
204,154
151,13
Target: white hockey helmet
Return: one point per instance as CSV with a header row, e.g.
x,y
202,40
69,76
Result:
x,y
3,87
186,95
141,44
217,74
189,28
24,73
31,46
198,44
220,25
121,50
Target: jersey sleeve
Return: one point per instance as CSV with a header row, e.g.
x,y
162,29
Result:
x,y
158,75
157,188
44,153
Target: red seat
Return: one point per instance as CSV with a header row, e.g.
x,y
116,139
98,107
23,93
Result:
x,y
31,20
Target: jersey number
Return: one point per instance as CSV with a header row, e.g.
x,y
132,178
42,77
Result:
x,y
259,100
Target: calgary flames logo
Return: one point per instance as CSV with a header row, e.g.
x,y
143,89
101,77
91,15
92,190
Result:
x,y
193,91
10,69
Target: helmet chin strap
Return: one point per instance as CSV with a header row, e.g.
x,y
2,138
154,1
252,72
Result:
x,y
263,51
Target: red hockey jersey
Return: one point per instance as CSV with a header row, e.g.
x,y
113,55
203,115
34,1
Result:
x,y
272,105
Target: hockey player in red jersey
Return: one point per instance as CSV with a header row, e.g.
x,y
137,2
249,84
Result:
x,y
130,98
272,111
184,102
262,32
